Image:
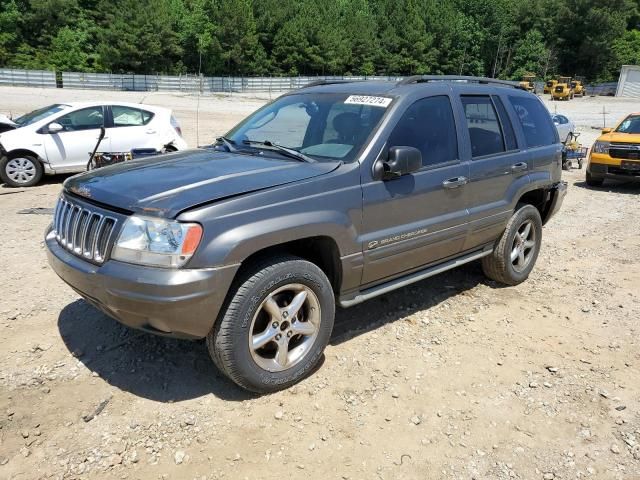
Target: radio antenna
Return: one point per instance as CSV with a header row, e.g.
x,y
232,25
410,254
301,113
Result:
x,y
198,101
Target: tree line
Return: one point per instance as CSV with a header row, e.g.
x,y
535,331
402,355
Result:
x,y
498,38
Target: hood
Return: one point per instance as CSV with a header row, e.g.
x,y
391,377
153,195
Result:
x,y
616,137
169,184
4,120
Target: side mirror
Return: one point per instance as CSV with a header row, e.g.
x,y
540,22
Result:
x,y
54,127
401,161
606,130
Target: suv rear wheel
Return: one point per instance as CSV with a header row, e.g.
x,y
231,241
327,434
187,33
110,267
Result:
x,y
516,251
276,325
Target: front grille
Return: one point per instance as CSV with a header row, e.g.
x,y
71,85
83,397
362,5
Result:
x,y
82,231
628,151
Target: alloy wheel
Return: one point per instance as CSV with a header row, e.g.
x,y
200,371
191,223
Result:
x,y
284,327
523,246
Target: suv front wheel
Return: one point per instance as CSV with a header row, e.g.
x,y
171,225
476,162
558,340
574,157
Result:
x,y
276,325
516,251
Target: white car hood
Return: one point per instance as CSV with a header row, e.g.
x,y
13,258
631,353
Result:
x,y
7,121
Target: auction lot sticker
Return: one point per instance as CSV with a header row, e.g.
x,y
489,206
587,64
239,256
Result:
x,y
368,100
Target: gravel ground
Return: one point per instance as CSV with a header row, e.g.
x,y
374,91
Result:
x,y
454,377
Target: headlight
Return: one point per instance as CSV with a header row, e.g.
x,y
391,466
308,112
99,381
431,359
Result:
x,y
601,147
156,242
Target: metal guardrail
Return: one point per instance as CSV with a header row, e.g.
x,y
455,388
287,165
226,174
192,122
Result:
x,y
27,78
193,83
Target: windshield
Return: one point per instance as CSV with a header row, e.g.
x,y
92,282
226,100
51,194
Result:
x,y
630,125
323,126
36,115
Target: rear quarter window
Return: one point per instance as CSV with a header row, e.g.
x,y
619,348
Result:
x,y
130,117
535,121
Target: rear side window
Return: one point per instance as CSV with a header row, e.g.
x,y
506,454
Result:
x,y
535,120
484,128
428,125
130,117
505,121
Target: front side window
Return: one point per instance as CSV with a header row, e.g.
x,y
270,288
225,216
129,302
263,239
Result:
x,y
130,117
429,126
535,120
484,128
631,124
85,119
323,126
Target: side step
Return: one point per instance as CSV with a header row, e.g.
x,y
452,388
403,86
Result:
x,y
412,278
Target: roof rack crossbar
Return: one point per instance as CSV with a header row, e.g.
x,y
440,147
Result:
x,y
456,78
315,83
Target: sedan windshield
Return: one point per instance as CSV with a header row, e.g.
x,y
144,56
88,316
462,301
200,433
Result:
x,y
631,124
322,126
37,115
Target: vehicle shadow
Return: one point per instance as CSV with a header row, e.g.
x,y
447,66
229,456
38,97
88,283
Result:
x,y
46,180
420,296
616,186
170,370
149,366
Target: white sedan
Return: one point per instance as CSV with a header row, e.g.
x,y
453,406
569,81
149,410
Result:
x,y
564,126
60,138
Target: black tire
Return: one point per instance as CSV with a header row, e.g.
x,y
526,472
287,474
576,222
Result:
x,y
594,181
498,266
228,341
34,165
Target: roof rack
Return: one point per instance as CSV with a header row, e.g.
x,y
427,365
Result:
x,y
328,82
456,78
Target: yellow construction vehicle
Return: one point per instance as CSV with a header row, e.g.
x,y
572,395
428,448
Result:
x,y
528,83
563,90
550,85
579,89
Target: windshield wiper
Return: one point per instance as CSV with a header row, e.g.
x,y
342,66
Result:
x,y
227,142
286,151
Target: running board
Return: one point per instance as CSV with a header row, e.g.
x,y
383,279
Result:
x,y
412,278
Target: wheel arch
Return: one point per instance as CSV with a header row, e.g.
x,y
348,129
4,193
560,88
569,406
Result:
x,y
24,151
541,198
321,250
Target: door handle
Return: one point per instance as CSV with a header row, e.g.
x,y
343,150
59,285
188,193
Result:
x,y
151,131
519,167
455,182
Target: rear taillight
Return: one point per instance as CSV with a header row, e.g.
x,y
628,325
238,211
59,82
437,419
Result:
x,y
176,125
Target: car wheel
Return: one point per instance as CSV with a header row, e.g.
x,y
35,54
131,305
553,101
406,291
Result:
x,y
594,181
275,327
516,251
21,171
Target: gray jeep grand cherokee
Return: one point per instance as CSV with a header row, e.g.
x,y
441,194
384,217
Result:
x,y
334,193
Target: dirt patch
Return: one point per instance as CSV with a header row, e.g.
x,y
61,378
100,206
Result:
x,y
454,377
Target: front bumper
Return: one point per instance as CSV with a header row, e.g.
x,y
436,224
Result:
x,y
172,302
603,166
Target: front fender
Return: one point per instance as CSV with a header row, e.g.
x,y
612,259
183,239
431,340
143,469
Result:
x,y
236,228
241,242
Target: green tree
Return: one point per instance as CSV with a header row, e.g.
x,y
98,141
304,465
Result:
x,y
9,30
138,36
529,56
